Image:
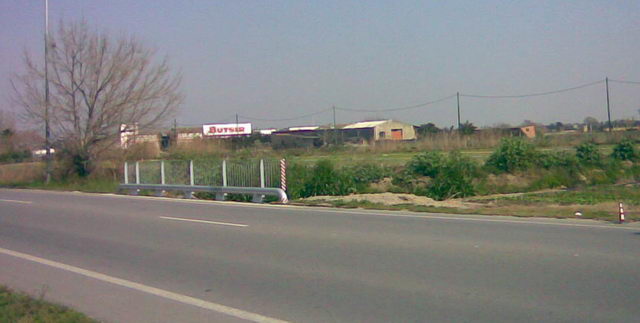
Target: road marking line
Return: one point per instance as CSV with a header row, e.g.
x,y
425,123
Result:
x,y
340,211
16,201
204,221
508,221
231,311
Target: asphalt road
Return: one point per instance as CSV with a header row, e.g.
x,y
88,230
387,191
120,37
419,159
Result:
x,y
136,259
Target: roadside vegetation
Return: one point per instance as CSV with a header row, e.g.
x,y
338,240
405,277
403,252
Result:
x,y
18,307
513,177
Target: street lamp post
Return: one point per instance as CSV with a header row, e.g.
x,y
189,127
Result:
x,y
47,130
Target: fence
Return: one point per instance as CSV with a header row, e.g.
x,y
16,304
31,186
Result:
x,y
264,173
253,177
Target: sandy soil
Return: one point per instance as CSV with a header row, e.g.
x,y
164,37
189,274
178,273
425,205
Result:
x,y
394,199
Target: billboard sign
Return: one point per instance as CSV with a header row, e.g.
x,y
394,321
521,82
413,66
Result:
x,y
229,129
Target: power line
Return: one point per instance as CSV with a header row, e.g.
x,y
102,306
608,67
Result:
x,y
402,108
624,82
530,94
286,119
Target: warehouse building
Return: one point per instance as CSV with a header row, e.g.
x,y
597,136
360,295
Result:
x,y
374,131
365,132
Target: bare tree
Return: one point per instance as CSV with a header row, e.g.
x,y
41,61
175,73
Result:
x,y
7,120
97,84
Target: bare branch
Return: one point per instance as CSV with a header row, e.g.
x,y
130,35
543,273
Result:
x,y
97,84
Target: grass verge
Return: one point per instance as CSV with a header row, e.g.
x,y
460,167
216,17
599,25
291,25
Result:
x,y
82,185
18,307
599,203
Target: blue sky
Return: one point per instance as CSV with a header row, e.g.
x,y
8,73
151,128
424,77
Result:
x,y
283,59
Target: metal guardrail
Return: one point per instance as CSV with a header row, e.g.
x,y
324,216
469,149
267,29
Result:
x,y
220,191
256,178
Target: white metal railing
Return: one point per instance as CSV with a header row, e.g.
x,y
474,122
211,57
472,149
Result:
x,y
181,175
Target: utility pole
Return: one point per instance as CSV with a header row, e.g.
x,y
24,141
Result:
x,y
175,131
334,117
458,99
335,129
606,82
47,129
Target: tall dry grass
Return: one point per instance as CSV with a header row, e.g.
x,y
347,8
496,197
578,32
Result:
x,y
21,173
448,141
443,141
576,138
211,148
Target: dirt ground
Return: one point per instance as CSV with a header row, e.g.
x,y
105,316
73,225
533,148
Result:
x,y
491,206
395,199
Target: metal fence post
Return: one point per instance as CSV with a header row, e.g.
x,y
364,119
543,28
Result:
x,y
221,196
137,172
262,173
191,179
224,172
162,180
126,173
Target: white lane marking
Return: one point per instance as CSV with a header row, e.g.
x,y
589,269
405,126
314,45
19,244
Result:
x,y
400,215
16,201
340,211
204,221
231,311
501,221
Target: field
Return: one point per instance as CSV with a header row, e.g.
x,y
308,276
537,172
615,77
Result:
x,y
547,180
343,158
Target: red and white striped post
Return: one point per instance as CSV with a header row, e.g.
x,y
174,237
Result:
x,y
621,213
283,174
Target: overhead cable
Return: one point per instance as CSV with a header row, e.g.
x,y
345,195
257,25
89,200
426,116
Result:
x,y
530,94
402,108
286,119
625,82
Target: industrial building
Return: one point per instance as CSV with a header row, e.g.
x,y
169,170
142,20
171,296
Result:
x,y
374,131
365,132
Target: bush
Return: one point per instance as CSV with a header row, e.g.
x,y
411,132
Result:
x,y
556,177
625,150
588,154
326,180
559,159
426,164
15,156
513,154
367,173
454,178
297,175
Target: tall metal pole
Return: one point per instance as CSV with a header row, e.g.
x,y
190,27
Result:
x,y
47,130
334,117
175,132
606,82
335,133
458,99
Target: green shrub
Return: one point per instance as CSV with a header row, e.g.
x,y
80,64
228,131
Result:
x,y
325,179
625,150
426,164
297,175
634,172
454,178
555,159
556,177
402,179
15,156
513,154
367,173
588,154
